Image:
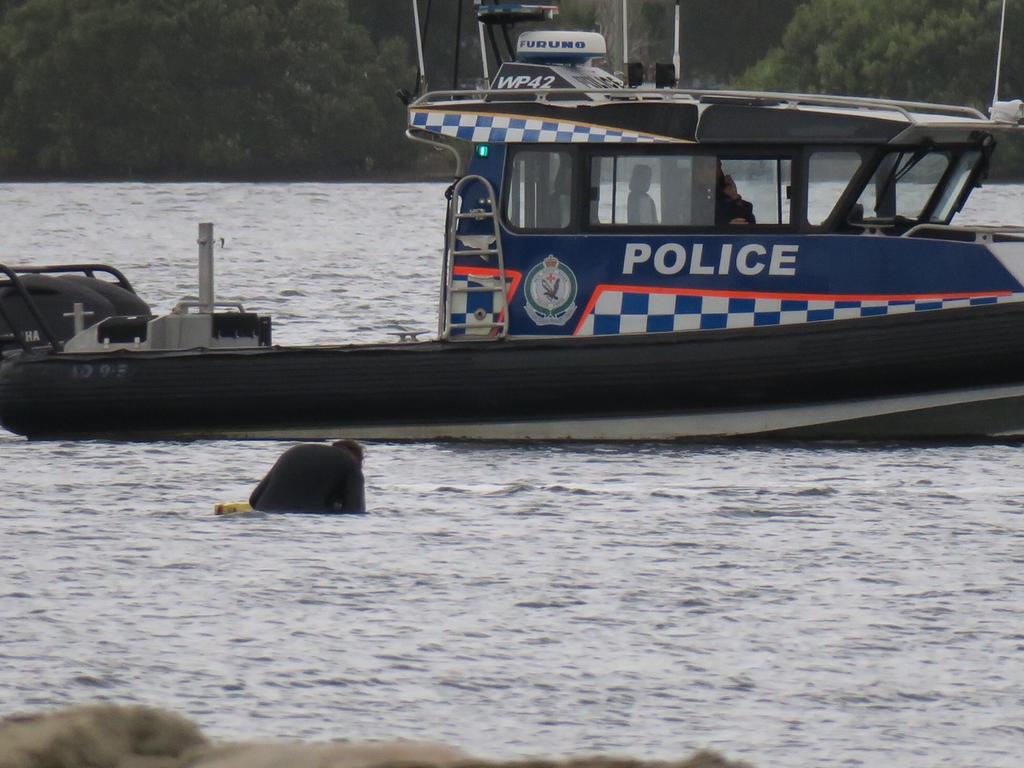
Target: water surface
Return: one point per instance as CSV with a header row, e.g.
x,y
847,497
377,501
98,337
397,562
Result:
x,y
792,605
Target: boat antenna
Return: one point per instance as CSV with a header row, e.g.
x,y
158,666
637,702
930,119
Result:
x,y
625,33
675,49
999,54
458,45
421,74
483,52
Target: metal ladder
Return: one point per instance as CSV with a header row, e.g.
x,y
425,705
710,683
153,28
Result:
x,y
485,246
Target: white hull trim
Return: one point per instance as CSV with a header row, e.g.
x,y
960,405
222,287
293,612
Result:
x,y
932,415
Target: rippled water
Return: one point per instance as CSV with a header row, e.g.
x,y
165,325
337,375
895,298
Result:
x,y
793,605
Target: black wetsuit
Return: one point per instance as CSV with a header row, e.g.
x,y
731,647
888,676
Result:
x,y
312,478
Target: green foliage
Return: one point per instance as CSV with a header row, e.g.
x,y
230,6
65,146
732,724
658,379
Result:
x,y
578,14
393,20
930,50
719,39
6,5
922,50
305,88
722,38
196,87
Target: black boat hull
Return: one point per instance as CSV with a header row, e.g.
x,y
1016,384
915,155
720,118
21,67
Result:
x,y
955,373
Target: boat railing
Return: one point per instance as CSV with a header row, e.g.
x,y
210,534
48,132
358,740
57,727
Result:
x,y
982,232
189,303
11,277
913,111
89,270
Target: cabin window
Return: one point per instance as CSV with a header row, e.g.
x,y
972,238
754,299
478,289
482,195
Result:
x,y
828,175
944,209
540,190
902,185
765,183
686,190
642,190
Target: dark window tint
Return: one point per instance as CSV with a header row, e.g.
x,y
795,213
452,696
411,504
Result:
x,y
829,173
688,190
540,190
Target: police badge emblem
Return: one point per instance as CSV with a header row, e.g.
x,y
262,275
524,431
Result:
x,y
550,293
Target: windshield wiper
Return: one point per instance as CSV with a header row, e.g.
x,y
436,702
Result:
x,y
896,175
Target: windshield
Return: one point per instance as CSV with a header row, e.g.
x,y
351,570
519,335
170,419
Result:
x,y
903,185
951,195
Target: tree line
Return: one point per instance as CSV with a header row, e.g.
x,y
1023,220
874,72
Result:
x,y
923,50
197,88
719,39
920,50
306,88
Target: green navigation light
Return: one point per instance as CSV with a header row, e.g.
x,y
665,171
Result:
x,y
483,150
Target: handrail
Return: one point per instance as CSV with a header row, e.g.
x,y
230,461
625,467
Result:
x,y
89,270
14,274
189,302
992,229
910,110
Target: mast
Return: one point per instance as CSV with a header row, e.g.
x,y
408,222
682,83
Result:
x,y
625,34
421,78
483,51
458,45
675,49
999,55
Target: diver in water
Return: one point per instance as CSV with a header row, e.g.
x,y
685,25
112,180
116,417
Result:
x,y
313,477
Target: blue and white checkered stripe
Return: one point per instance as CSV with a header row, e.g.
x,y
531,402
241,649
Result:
x,y
497,129
627,312
476,308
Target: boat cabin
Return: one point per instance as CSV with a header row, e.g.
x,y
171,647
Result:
x,y
584,207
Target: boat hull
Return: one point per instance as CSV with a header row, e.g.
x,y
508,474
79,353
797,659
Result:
x,y
946,374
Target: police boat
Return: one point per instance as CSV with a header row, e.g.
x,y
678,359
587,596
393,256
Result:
x,y
623,260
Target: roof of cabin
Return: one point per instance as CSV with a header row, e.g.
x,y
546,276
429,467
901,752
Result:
x,y
647,115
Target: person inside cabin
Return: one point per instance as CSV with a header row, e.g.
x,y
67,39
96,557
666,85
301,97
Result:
x,y
730,207
313,477
640,208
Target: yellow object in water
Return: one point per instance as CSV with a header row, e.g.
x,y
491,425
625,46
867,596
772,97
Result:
x,y
231,507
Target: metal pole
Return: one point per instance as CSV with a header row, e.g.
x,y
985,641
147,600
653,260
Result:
x,y
483,52
422,83
999,55
78,315
625,34
675,50
458,46
205,267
